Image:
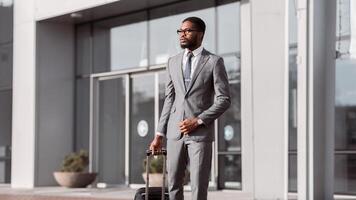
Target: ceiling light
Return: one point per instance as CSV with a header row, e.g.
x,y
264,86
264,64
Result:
x,y
76,15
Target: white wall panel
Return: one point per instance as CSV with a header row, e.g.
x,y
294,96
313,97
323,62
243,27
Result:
x,y
24,104
270,98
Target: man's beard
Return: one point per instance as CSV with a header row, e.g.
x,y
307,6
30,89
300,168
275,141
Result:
x,y
188,44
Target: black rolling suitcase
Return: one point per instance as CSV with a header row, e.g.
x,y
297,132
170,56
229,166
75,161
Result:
x,y
154,193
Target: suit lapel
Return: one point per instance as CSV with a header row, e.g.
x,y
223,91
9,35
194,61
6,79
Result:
x,y
203,59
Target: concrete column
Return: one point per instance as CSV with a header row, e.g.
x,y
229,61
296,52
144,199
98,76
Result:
x,y
43,97
24,95
247,149
269,50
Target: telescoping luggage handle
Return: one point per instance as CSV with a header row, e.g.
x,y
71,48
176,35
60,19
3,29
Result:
x,y
150,153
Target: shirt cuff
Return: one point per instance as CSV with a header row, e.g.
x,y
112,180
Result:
x,y
160,134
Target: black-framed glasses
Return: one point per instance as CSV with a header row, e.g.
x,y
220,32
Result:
x,y
185,31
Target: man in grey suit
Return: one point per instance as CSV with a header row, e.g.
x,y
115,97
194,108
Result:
x,y
197,93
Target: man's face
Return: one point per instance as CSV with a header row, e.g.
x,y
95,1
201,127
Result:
x,y
189,37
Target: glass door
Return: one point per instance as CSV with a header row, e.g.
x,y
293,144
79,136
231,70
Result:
x,y
108,129
125,109
142,118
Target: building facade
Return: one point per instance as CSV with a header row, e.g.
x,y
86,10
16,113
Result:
x,y
91,75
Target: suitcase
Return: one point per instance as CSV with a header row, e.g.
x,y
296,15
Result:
x,y
154,193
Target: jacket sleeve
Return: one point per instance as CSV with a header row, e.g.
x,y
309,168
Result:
x,y
167,105
222,99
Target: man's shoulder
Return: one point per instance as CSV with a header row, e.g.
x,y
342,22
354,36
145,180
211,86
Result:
x,y
178,55
211,55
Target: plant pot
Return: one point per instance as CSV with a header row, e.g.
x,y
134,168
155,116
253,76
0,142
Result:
x,y
74,179
156,179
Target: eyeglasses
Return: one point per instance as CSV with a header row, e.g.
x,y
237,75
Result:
x,y
185,32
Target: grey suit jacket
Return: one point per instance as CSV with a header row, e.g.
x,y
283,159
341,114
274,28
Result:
x,y
207,97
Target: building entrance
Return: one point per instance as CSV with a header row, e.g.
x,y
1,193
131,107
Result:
x,y
124,110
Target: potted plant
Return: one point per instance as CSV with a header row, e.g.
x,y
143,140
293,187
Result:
x,y
155,170
72,173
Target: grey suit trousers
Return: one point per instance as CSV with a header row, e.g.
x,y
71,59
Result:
x,y
197,155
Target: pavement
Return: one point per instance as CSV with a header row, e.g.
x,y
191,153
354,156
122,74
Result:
x,y
116,193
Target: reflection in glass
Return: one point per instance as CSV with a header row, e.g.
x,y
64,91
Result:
x,y
345,174
142,113
345,125
292,110
228,17
292,172
345,102
6,24
6,59
230,122
112,131
229,171
128,45
5,135
6,66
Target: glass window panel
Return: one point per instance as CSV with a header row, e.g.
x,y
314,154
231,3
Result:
x,y
164,41
5,135
229,171
5,117
128,46
230,121
228,28
5,164
6,24
343,46
120,42
345,103
343,13
293,99
292,172
111,135
345,174
6,66
292,116
141,123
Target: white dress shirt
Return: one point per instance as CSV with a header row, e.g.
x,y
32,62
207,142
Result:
x,y
195,60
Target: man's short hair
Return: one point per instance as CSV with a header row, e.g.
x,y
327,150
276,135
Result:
x,y
198,23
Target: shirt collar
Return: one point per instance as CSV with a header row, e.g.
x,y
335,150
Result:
x,y
196,52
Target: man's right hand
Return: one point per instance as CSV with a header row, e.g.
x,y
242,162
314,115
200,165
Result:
x,y
156,144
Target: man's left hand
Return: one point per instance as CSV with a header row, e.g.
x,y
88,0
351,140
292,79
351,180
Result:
x,y
188,125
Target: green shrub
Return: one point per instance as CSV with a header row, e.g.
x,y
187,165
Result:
x,y
75,162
